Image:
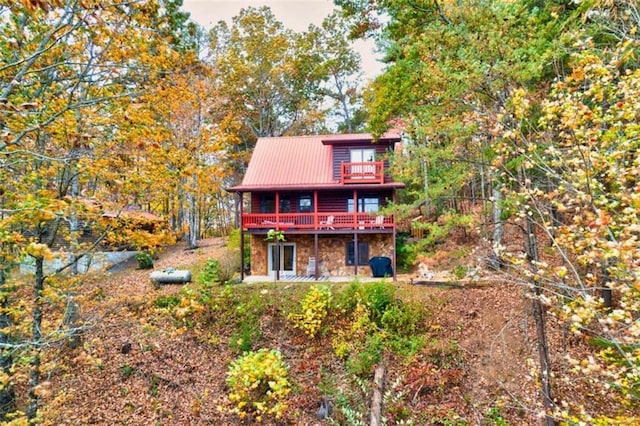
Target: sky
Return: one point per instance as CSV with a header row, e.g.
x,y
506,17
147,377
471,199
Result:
x,y
294,14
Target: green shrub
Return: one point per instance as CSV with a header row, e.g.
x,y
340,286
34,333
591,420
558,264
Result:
x,y
258,384
315,307
407,252
406,346
145,260
126,370
210,272
460,272
242,340
168,301
245,316
362,363
347,299
378,297
402,319
233,244
222,270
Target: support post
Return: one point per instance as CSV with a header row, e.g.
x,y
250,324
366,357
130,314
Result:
x,y
356,255
315,254
240,197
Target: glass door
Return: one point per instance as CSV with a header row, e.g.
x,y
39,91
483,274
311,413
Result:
x,y
285,257
361,171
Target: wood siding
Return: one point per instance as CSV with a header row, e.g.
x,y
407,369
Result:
x,y
331,213
328,201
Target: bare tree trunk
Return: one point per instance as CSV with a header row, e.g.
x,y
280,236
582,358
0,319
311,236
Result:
x,y
74,223
376,400
36,337
7,393
605,291
539,314
498,225
192,222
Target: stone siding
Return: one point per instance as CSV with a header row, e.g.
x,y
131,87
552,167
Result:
x,y
332,256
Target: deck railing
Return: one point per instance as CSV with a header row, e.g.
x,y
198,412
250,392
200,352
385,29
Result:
x,y
317,221
366,172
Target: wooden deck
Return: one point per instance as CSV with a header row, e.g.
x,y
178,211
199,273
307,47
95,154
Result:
x,y
305,278
330,221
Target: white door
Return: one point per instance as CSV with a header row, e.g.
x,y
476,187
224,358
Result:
x,y
286,257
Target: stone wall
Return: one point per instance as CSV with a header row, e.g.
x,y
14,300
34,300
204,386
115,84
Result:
x,y
93,262
258,255
332,253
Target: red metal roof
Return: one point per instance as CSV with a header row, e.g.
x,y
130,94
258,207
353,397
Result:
x,y
294,162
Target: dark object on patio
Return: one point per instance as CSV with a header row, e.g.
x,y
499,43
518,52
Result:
x,y
381,266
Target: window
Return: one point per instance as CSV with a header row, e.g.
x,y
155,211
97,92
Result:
x,y
363,253
366,204
305,204
362,155
285,205
267,203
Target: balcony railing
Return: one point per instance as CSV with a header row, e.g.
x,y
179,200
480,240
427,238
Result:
x,y
367,172
317,221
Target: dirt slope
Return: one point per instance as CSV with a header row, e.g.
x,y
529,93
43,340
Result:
x,y
136,367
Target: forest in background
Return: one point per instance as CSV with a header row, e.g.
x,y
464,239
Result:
x,y
526,109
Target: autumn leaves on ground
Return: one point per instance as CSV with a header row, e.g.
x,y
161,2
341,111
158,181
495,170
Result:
x,y
153,355
525,110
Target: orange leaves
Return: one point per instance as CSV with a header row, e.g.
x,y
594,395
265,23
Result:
x,y
45,5
38,250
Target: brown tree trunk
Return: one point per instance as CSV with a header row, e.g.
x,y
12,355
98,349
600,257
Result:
x,y
539,313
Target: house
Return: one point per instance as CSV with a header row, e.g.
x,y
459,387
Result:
x,y
326,194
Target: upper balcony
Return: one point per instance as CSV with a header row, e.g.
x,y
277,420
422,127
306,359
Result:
x,y
326,221
365,172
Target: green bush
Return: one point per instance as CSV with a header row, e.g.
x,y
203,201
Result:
x,y
375,321
126,370
241,341
168,301
210,272
245,316
362,363
347,299
145,260
378,297
402,319
222,270
233,244
406,252
258,384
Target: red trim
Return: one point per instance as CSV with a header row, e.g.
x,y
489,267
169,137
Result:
x,y
357,173
328,221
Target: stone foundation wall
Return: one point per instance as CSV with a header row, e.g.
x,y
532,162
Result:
x,y
258,255
332,253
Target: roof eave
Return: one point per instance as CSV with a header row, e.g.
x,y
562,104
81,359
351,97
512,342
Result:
x,y
270,188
